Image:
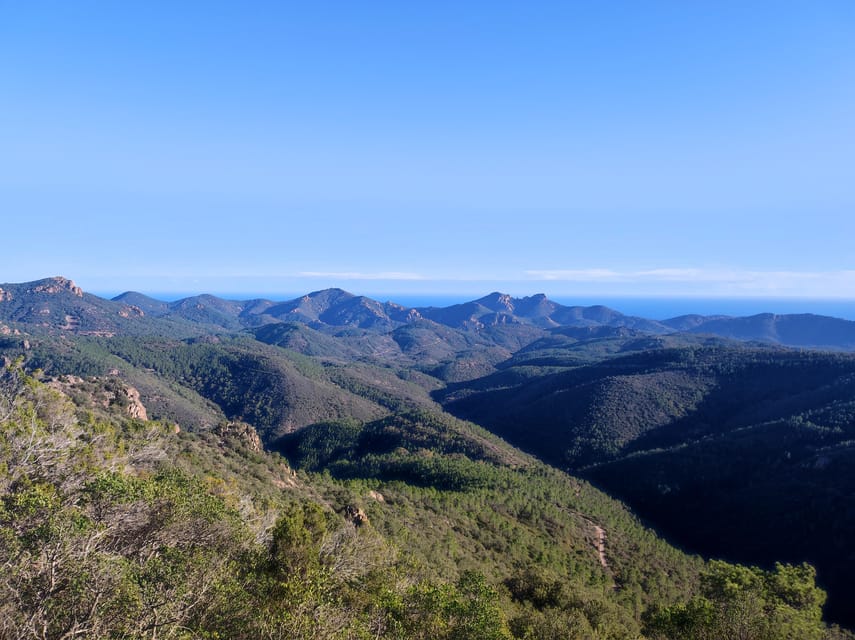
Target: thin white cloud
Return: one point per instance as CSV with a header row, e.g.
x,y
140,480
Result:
x,y
357,275
575,275
839,283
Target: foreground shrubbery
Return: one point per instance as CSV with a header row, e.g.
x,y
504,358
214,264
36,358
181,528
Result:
x,y
114,528
101,537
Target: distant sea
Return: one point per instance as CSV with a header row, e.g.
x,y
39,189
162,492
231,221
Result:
x,y
664,308
653,308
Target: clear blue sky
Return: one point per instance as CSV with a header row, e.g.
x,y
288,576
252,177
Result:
x,y
590,148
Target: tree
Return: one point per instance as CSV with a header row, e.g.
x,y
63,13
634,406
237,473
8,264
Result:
x,y
745,603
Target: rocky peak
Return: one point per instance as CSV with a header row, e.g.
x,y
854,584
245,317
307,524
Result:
x,y
56,285
497,301
506,301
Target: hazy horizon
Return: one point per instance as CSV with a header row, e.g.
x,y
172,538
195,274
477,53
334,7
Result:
x,y
652,307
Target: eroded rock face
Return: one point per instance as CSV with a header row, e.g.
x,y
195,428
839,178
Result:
x,y
6,330
355,515
135,408
57,285
131,310
103,392
240,431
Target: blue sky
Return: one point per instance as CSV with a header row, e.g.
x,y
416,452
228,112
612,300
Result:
x,y
577,148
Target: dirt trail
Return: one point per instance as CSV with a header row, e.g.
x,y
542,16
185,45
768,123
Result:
x,y
601,544
600,538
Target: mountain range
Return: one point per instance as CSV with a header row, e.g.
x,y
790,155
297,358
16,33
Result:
x,y
58,305
732,436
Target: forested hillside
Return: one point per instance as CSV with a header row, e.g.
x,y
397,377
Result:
x,y
119,527
341,425
735,452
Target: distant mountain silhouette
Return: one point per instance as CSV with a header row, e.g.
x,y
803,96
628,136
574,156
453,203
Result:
x,y
498,308
58,305
795,330
149,305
